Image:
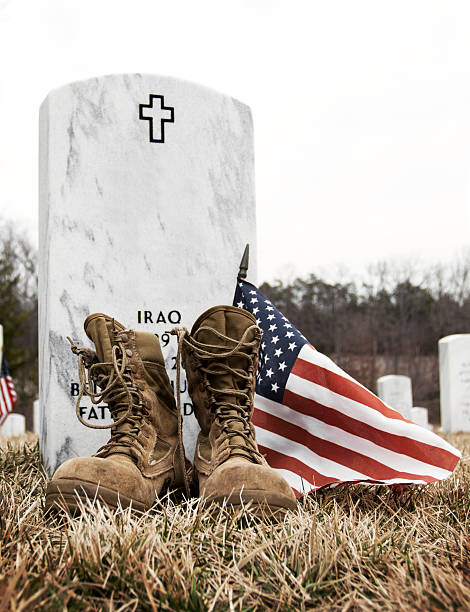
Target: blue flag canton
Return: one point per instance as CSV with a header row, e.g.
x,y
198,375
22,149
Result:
x,y
280,344
4,370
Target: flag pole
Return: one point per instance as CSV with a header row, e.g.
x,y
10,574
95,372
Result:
x,y
244,263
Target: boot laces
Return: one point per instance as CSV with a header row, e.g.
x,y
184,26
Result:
x,y
118,391
229,414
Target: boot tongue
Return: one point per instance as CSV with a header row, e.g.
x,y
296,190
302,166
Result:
x,y
231,322
99,328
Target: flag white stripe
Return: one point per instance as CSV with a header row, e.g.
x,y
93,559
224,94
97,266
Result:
x,y
326,467
363,413
11,387
295,481
392,459
6,395
3,405
308,353
392,481
372,482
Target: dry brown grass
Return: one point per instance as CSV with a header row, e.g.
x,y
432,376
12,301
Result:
x,y
357,548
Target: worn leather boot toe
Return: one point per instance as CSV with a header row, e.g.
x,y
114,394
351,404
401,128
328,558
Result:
x,y
220,357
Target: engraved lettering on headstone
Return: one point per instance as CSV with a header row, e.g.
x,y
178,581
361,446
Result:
x,y
186,203
174,317
182,387
93,412
187,409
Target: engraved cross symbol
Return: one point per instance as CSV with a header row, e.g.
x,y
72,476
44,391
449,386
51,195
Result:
x,y
157,114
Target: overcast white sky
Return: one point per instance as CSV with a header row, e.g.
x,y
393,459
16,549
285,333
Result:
x,y
361,110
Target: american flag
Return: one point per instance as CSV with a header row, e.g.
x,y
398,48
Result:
x,y
319,427
7,392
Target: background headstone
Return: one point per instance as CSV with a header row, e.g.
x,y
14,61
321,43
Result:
x,y
146,204
15,425
395,390
420,416
454,381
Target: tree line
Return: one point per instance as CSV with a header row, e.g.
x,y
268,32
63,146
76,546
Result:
x,y
387,322
19,313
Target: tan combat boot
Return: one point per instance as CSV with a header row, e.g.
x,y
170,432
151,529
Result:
x,y
220,357
144,456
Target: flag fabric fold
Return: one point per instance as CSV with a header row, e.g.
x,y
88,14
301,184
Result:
x,y
7,392
319,427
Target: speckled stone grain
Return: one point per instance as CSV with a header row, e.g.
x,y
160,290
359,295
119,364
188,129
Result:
x,y
128,226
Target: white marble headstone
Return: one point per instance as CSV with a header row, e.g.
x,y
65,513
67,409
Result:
x,y
420,416
146,204
454,380
395,390
15,425
36,418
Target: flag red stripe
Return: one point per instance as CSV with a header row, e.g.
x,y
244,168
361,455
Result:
x,y
6,400
342,386
284,462
421,451
325,448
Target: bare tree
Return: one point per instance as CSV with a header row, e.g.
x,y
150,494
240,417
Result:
x,y
18,312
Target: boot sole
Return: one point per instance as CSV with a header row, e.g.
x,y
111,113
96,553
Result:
x,y
65,494
259,503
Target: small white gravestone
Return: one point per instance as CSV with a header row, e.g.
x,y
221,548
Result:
x,y
419,415
36,418
15,425
395,390
146,204
454,380
1,359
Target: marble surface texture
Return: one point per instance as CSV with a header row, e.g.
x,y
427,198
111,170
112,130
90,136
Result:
x,y
395,390
454,381
37,417
149,232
